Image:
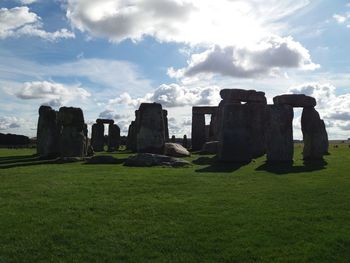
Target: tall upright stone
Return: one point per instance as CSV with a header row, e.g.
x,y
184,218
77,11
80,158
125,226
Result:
x,y
314,135
279,133
198,131
113,137
151,132
97,136
235,142
48,133
166,125
73,139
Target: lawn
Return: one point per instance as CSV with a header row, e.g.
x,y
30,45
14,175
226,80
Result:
x,y
209,212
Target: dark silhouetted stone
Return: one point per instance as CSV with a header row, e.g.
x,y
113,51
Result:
x,y
279,133
166,126
198,131
102,159
149,160
211,147
48,133
314,135
238,95
97,136
185,141
295,100
113,137
151,132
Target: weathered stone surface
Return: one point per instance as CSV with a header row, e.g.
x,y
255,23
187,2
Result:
x,y
279,133
185,141
102,159
148,160
213,127
105,121
166,125
257,119
175,150
235,135
72,139
97,137
211,147
48,133
198,131
237,95
204,109
113,137
314,135
151,133
132,137
295,100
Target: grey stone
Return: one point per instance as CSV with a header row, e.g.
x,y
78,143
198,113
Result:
x,y
97,137
198,131
295,100
175,150
211,147
314,135
149,160
113,137
185,141
151,132
102,159
73,141
104,121
237,95
48,133
166,125
279,133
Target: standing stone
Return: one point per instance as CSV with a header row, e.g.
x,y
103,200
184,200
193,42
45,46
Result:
x,y
132,137
198,131
173,139
166,125
185,141
113,137
314,135
213,127
257,123
279,133
235,135
73,139
48,133
151,133
97,136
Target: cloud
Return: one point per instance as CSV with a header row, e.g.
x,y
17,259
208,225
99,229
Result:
x,y
266,58
172,95
20,21
9,123
187,21
339,18
332,107
27,2
53,94
344,18
112,115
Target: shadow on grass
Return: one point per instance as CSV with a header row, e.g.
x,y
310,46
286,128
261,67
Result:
x,y
27,162
286,168
217,167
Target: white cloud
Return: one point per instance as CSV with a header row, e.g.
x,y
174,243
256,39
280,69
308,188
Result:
x,y
172,95
27,2
7,123
188,21
339,18
53,94
20,21
332,107
266,58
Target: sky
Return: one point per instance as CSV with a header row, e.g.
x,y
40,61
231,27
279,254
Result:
x,y
108,56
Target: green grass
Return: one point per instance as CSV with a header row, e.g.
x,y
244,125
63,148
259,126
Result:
x,y
207,213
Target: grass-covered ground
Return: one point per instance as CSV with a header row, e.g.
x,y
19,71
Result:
x,y
206,213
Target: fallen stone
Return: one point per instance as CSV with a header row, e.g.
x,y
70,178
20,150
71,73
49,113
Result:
x,y
295,100
149,160
102,159
175,150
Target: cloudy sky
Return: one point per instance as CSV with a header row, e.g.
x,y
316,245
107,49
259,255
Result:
x,y
108,56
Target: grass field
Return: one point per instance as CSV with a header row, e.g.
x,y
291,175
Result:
x,y
207,213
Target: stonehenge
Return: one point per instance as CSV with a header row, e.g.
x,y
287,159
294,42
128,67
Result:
x,y
199,134
98,137
246,127
61,133
242,127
